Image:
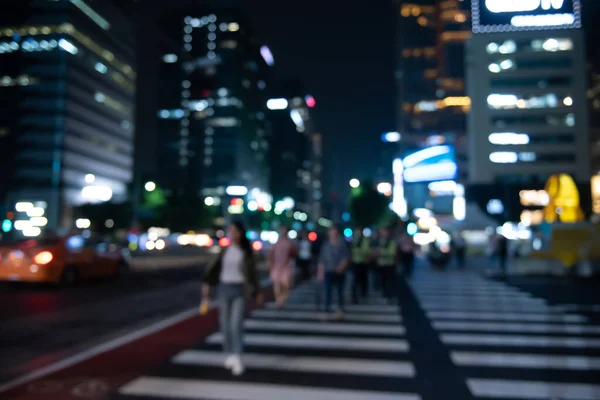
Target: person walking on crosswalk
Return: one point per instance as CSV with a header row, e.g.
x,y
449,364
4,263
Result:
x,y
333,262
361,247
387,259
281,265
235,274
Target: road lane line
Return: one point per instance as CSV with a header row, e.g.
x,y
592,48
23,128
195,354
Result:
x,y
328,365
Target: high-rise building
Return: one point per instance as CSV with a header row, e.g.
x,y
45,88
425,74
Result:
x,y
295,161
212,131
527,82
432,103
67,79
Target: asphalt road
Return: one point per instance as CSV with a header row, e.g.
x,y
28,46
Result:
x,y
41,324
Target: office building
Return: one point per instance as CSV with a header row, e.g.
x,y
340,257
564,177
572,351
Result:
x,y
527,82
67,79
296,148
213,132
432,103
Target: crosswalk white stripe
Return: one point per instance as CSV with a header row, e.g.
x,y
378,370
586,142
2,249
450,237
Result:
x,y
319,342
514,308
519,341
328,365
262,313
319,327
471,293
509,389
377,309
311,298
201,389
540,361
502,316
513,327
481,300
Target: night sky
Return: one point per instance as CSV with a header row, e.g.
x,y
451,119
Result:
x,y
344,51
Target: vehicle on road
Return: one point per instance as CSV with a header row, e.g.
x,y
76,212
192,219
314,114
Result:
x,y
61,260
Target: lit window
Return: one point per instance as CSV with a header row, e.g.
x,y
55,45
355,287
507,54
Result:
x,y
527,157
570,120
504,157
68,46
164,114
223,26
495,68
508,101
212,36
509,138
568,101
170,58
100,68
234,27
99,97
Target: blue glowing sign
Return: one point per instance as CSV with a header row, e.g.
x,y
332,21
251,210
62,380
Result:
x,y
432,164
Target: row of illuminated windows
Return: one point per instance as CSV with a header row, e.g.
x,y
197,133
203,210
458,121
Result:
x,y
427,52
69,29
512,101
520,139
551,45
511,157
415,10
21,80
559,120
32,45
514,65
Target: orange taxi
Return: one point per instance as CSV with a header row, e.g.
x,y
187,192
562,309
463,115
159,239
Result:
x,y
59,260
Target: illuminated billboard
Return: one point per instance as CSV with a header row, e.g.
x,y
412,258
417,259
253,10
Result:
x,y
437,163
525,15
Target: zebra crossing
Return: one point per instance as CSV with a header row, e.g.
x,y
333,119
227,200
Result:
x,y
509,344
290,354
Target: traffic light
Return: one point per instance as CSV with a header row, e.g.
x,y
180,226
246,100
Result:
x,y
7,225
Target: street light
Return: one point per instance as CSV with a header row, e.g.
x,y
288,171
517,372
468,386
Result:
x,y
354,183
150,186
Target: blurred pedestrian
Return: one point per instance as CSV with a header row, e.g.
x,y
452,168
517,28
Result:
x,y
407,251
305,256
234,273
333,262
459,247
361,246
281,266
502,252
387,259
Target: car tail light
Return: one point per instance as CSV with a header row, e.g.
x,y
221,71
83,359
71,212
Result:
x,y
43,258
224,242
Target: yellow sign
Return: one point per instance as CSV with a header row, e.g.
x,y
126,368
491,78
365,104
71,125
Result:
x,y
563,204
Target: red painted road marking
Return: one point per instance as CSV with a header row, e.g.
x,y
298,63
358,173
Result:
x,y
122,364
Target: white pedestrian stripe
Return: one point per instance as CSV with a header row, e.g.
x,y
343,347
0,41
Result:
x,y
319,342
509,308
200,389
501,316
482,300
510,389
513,327
519,341
319,327
511,360
349,317
304,364
371,308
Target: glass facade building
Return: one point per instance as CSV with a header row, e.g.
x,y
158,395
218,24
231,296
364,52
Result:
x,y
67,87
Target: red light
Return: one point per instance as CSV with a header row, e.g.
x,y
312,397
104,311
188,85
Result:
x,y
210,242
10,215
257,246
43,258
310,101
224,242
237,202
312,236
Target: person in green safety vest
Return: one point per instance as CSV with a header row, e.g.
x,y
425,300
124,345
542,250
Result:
x,y
387,259
361,248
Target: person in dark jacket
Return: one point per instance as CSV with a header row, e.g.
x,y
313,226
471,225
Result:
x,y
235,275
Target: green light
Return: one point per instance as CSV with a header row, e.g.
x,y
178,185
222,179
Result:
x,y
6,225
412,229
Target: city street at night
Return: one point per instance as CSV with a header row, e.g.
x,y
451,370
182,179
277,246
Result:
x,y
451,332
